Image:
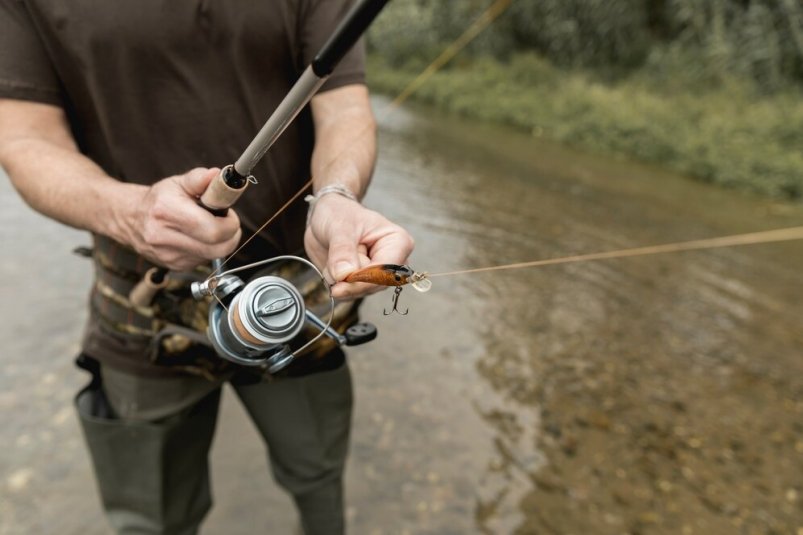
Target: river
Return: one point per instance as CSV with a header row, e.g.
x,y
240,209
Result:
x,y
659,394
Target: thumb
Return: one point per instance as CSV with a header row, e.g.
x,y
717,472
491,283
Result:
x,y
343,257
195,181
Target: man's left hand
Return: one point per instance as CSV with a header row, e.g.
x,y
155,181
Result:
x,y
344,236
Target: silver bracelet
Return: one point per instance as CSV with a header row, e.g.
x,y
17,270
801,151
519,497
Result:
x,y
340,189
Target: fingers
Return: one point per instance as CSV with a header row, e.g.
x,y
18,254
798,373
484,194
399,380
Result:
x,y
176,250
195,181
182,254
346,290
196,220
344,236
353,290
178,233
202,226
394,246
343,255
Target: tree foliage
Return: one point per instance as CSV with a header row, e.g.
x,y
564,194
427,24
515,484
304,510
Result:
x,y
759,40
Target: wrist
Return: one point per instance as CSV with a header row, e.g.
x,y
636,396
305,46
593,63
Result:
x,y
122,202
334,189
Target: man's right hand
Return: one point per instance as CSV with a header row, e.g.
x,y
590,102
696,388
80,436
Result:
x,y
162,222
168,227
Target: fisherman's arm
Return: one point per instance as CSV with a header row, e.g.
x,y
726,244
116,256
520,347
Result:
x,y
162,221
343,235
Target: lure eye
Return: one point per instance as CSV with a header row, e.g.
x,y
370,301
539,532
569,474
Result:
x,y
397,277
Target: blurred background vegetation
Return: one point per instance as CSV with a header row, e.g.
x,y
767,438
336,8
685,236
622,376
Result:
x,y
710,88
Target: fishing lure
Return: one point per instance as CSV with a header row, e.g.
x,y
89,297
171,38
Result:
x,y
391,275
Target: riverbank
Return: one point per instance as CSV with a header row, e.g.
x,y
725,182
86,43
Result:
x,y
726,135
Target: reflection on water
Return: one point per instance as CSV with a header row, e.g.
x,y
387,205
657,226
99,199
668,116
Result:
x,y
650,395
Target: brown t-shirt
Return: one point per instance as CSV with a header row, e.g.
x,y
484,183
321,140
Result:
x,y
153,88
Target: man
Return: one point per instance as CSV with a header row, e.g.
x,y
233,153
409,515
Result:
x,y
104,106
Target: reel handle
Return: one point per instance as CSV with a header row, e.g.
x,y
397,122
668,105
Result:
x,y
357,334
360,333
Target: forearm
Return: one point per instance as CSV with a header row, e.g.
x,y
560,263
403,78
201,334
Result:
x,y
61,183
345,139
38,152
162,222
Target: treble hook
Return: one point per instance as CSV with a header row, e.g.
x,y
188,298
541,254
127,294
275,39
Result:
x,y
396,294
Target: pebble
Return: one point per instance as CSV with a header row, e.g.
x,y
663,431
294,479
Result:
x,y
62,416
649,517
18,480
49,379
665,485
687,472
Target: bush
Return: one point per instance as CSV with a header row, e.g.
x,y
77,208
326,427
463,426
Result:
x,y
708,88
757,40
723,135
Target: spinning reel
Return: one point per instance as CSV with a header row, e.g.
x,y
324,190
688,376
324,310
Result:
x,y
252,323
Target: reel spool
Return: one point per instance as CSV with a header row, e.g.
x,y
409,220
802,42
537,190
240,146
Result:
x,y
251,324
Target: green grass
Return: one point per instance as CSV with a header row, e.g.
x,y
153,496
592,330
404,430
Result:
x,y
725,134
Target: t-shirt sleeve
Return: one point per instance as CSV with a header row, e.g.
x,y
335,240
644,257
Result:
x,y
319,20
26,72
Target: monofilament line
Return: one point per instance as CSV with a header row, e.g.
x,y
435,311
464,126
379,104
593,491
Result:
x,y
769,236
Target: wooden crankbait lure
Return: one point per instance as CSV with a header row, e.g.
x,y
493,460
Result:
x,y
391,275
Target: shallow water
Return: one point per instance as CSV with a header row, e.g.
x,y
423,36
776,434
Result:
x,y
660,394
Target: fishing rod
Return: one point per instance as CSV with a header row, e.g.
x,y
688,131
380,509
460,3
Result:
x,y
251,323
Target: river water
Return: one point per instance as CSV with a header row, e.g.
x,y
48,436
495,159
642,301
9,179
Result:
x,y
658,394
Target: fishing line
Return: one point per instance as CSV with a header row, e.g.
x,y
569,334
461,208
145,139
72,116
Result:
x,y
769,236
260,229
221,302
482,22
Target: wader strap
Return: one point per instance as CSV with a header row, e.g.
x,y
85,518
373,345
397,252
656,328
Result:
x,y
118,313
116,257
88,364
92,398
117,270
